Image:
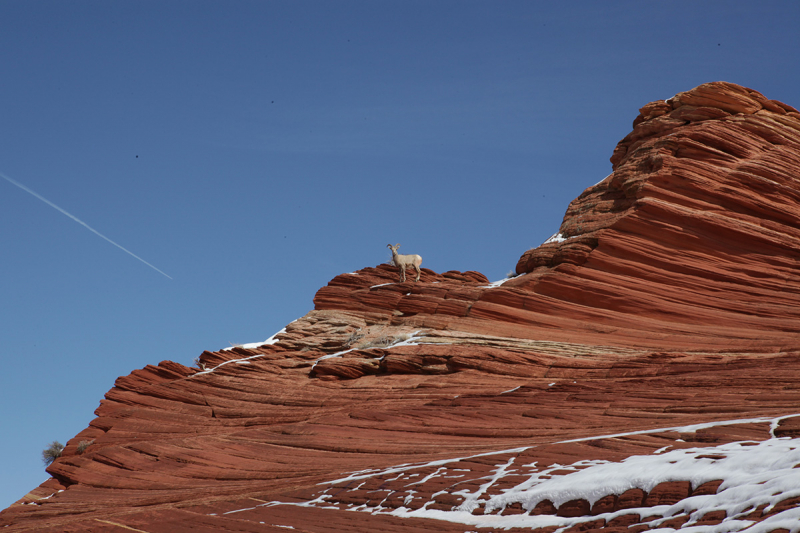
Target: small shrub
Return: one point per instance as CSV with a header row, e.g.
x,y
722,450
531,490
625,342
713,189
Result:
x,y
511,274
353,338
52,452
383,341
82,445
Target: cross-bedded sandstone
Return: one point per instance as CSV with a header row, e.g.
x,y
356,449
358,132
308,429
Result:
x,y
669,298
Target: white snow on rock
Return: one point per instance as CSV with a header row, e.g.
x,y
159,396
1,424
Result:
x,y
557,237
754,474
495,284
271,340
244,360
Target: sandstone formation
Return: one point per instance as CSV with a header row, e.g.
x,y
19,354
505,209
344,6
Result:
x,y
617,383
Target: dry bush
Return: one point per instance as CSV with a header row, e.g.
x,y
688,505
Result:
x,y
52,452
82,445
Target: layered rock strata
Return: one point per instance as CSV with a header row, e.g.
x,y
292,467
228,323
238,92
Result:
x,y
658,327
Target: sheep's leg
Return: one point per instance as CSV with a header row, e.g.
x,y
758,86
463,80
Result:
x,y
403,274
418,272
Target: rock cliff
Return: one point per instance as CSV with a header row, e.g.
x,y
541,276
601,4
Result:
x,y
617,383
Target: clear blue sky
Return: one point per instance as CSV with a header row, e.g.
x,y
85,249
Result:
x,y
252,151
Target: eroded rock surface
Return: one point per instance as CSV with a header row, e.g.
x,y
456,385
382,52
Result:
x,y
658,328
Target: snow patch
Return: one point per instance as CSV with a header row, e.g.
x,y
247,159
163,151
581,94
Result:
x,y
412,340
754,474
249,346
244,360
602,180
329,356
494,284
557,237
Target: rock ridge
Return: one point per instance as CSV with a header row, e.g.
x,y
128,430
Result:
x,y
660,321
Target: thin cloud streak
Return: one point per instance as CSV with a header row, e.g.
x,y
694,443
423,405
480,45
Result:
x,y
81,222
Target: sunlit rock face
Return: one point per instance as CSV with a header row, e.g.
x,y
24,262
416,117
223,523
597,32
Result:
x,y
639,373
694,239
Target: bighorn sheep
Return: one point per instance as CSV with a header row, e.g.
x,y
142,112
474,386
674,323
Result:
x,y
403,261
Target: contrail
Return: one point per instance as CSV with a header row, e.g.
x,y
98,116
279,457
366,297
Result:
x,y
81,222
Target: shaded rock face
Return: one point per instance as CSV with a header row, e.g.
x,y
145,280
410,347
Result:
x,y
613,385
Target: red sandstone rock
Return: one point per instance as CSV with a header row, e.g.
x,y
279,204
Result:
x,y
573,508
672,300
668,493
544,507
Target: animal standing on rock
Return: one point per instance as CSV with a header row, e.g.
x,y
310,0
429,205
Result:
x,y
403,261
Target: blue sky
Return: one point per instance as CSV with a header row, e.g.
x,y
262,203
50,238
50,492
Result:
x,y
252,151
